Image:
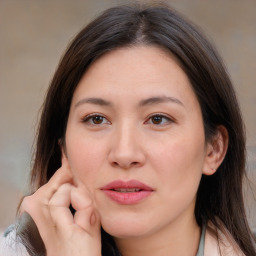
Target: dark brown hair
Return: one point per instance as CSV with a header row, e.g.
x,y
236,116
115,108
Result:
x,y
219,197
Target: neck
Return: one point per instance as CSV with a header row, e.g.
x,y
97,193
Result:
x,y
179,239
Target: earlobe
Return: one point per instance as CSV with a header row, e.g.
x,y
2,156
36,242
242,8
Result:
x,y
216,150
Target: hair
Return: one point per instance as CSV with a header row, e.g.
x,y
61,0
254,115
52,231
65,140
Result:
x,y
219,198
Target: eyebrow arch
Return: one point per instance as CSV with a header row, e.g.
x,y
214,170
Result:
x,y
95,101
161,99
149,101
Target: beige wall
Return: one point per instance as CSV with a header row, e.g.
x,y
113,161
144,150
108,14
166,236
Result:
x,y
33,35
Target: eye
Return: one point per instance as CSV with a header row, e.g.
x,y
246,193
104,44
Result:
x,y
159,119
95,119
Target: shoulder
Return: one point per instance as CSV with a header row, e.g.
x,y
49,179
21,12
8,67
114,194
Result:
x,y
220,243
10,245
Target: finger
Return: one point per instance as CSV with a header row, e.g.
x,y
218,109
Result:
x,y
80,198
86,215
45,192
40,215
59,207
88,219
37,205
61,176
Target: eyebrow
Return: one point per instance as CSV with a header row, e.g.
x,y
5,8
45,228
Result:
x,y
95,101
142,103
160,99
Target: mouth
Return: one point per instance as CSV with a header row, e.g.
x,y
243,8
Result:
x,y
127,192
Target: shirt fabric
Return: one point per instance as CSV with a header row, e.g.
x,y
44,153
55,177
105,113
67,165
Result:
x,y
10,244
200,251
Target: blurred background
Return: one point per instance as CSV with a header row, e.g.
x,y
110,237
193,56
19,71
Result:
x,y
33,36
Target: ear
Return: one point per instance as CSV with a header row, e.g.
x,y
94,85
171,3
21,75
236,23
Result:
x,y
216,150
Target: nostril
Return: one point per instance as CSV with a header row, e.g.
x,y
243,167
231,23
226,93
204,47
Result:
x,y
134,163
115,164
125,166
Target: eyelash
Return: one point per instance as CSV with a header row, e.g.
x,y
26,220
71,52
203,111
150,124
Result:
x,y
89,119
158,115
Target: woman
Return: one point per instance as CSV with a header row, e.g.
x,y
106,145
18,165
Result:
x,y
140,148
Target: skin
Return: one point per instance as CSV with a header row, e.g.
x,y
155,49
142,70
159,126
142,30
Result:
x,y
124,142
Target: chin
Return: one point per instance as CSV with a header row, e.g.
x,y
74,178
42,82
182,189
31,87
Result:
x,y
125,228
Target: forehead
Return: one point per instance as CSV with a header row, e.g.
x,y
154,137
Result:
x,y
140,61
135,72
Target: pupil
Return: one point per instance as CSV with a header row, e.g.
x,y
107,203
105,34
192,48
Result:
x,y
97,119
157,119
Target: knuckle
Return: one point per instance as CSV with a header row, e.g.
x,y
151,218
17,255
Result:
x,y
65,187
28,205
26,202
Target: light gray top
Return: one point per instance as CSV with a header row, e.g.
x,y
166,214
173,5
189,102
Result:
x,y
10,245
200,251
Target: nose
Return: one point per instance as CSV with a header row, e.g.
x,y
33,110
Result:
x,y
126,148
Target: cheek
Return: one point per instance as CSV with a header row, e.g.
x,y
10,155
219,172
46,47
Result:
x,y
86,158
179,163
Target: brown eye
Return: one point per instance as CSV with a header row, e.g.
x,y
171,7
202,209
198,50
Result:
x,y
159,120
156,119
97,119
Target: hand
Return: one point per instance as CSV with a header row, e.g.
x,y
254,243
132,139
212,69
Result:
x,y
62,233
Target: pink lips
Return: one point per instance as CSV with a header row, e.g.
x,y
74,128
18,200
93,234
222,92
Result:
x,y
127,192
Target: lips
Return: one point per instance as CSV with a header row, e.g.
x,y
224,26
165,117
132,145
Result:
x,y
127,192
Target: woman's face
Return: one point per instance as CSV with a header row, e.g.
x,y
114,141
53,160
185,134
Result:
x,y
135,138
